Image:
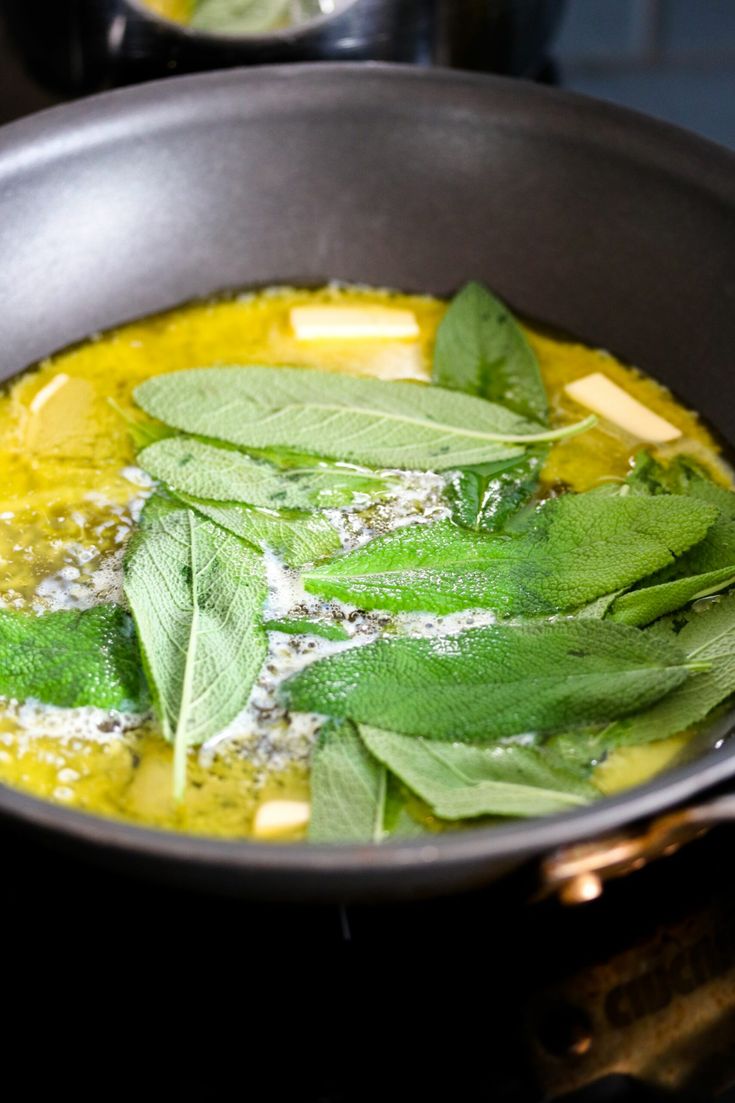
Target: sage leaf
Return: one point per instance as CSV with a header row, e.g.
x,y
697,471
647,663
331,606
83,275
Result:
x,y
640,607
572,550
682,475
399,820
459,781
225,475
480,349
706,568
348,788
222,474
158,506
364,421
72,658
239,16
490,682
142,432
328,630
707,636
298,539
353,797
196,594
715,553
483,498
596,609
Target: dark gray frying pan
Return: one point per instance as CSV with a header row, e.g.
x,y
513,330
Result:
x,y
592,219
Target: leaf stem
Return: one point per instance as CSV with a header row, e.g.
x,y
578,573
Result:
x,y
564,433
181,739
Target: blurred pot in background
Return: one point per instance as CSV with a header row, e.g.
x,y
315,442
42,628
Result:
x,y
79,46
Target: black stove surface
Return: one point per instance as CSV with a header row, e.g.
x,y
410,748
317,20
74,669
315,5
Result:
x,y
486,995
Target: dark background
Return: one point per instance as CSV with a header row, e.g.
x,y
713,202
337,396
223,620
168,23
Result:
x,y
671,58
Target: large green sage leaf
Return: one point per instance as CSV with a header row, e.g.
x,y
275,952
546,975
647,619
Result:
x,y
706,568
348,788
481,350
717,550
707,636
641,607
572,550
298,539
353,798
491,682
485,497
72,658
459,781
683,475
226,475
196,593
368,421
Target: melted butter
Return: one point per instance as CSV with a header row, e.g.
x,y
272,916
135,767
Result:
x,y
633,765
178,10
69,496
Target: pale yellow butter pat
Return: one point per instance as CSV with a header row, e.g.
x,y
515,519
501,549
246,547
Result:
x,y
280,817
47,392
598,393
325,323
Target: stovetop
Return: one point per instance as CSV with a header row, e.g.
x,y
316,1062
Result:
x,y
117,985
618,999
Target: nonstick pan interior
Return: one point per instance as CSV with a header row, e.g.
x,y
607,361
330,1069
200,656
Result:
x,y
588,218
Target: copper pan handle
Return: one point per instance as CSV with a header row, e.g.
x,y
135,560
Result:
x,y
578,873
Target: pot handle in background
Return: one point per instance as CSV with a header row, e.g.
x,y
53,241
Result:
x,y
578,873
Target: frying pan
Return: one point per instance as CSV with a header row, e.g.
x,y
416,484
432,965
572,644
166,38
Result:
x,y
589,218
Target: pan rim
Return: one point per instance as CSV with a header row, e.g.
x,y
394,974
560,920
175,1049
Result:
x,y
63,132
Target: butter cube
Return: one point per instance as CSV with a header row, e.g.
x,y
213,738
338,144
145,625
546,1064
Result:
x,y
598,393
279,817
328,323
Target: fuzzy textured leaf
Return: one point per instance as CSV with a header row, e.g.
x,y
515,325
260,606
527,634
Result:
x,y
641,607
141,431
297,626
459,781
682,475
490,682
707,636
227,475
72,658
298,539
572,550
480,349
484,498
196,593
706,568
366,421
348,788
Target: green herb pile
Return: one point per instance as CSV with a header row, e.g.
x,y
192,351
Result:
x,y
601,637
